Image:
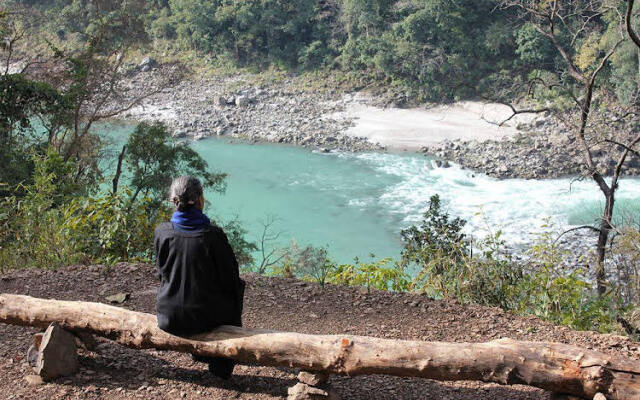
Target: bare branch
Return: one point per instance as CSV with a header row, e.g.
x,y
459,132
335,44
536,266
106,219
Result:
x,y
624,146
632,34
575,229
266,238
515,112
623,157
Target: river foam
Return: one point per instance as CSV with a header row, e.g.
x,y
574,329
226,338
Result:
x,y
519,208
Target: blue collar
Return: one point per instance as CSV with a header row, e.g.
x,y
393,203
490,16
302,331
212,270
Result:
x,y
190,219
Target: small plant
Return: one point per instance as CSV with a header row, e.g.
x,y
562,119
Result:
x,y
310,263
566,298
314,264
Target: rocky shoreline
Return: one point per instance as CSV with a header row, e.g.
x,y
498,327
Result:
x,y
541,154
238,108
285,111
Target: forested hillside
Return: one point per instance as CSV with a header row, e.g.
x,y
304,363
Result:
x,y
430,50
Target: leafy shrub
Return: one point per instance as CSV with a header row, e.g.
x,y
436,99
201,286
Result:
x,y
313,264
437,235
551,293
56,223
310,263
111,228
376,274
32,234
488,275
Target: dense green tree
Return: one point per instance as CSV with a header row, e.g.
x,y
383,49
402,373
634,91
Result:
x,y
154,160
254,31
438,234
429,46
433,50
23,104
120,21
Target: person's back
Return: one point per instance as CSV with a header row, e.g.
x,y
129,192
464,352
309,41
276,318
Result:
x,y
200,286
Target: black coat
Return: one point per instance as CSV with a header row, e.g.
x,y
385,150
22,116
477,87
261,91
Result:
x,y
200,285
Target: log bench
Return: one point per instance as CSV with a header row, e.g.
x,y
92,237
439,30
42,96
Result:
x,y
556,367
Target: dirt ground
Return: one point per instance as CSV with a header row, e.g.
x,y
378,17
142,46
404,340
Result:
x,y
116,372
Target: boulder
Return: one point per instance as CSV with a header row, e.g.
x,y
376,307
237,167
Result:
x,y
242,101
147,63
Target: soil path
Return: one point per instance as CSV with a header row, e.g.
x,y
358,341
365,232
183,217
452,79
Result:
x,y
115,372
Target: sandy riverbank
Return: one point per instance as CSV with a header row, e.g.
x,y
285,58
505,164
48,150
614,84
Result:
x,y
415,128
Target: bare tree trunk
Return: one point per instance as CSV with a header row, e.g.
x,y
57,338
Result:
x,y
603,238
556,367
116,178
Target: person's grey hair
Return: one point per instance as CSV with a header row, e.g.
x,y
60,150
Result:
x,y
185,192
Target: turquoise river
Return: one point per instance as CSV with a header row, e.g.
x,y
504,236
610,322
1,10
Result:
x,y
356,204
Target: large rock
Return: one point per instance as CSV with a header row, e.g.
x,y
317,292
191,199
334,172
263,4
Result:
x,y
147,63
57,355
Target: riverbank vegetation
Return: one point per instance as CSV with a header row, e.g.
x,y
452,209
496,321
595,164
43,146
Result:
x,y
58,206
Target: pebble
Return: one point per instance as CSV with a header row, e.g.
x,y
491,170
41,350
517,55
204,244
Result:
x,y
34,380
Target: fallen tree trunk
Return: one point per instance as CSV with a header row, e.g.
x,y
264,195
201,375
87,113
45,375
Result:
x,y
555,367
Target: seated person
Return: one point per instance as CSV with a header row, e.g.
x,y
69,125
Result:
x,y
200,285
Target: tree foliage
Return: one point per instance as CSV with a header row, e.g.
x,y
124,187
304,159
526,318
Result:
x,y
430,50
154,160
